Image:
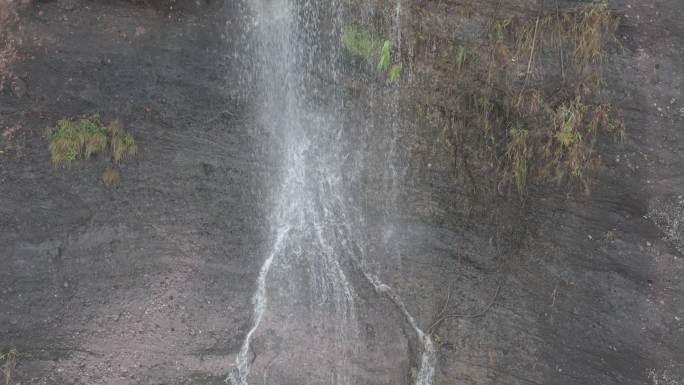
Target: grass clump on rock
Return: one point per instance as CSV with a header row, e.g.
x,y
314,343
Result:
x,y
72,140
81,139
122,142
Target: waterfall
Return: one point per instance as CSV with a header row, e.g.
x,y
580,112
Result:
x,y
303,290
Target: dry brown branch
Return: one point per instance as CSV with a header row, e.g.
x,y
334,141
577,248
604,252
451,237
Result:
x,y
444,316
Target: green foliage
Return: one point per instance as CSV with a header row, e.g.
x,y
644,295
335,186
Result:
x,y
571,151
394,72
567,117
71,140
385,56
413,374
361,44
499,30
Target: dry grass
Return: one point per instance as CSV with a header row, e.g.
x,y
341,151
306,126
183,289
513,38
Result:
x,y
111,177
122,142
518,63
518,154
591,27
9,360
8,49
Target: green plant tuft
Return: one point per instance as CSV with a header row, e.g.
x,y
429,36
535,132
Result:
x,y
394,72
360,44
71,140
385,56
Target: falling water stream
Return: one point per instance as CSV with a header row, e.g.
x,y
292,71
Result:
x,y
304,291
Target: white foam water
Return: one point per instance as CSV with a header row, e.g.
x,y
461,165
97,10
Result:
x,y
310,206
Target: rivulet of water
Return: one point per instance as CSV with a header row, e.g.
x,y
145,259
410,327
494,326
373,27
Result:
x,y
305,306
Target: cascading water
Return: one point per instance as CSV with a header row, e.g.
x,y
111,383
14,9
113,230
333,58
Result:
x,y
305,303
429,356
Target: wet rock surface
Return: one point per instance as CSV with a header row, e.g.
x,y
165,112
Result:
x,y
150,282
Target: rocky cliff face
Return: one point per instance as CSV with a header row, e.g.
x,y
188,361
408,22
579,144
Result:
x,y
151,281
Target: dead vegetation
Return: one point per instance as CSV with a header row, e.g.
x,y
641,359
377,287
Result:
x,y
9,363
8,46
111,177
528,94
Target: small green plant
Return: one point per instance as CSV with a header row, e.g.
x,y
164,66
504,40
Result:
x,y
413,374
460,58
361,44
567,118
499,29
71,140
571,149
385,56
394,72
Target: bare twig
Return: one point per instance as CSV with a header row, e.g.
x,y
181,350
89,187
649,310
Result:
x,y
560,43
445,307
479,314
534,43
